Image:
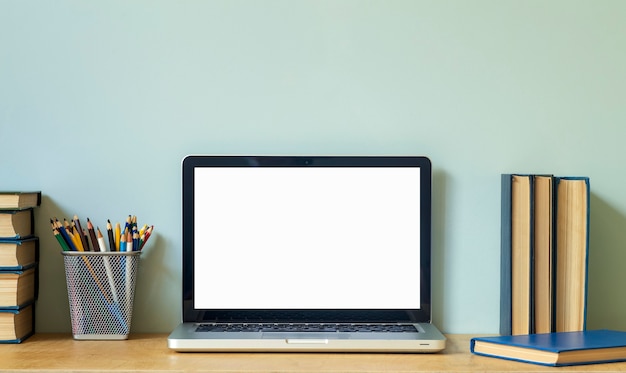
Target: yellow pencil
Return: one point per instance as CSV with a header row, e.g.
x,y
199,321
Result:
x,y
83,238
77,240
118,233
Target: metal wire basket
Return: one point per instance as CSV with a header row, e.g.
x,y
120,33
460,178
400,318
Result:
x,y
101,289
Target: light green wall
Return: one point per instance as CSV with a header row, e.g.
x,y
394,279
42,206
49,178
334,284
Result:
x,y
100,101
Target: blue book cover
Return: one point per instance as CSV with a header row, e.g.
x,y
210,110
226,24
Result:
x,y
505,255
555,349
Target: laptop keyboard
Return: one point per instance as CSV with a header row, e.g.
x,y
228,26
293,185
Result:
x,y
301,327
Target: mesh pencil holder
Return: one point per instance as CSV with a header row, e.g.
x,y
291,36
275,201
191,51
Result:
x,y
100,290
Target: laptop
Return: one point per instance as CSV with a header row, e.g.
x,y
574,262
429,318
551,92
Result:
x,y
306,254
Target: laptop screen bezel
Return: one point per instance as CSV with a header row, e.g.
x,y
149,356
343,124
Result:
x,y
191,314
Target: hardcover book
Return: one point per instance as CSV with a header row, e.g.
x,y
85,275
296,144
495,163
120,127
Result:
x,y
516,254
17,288
16,224
19,254
16,324
19,200
544,253
555,349
572,249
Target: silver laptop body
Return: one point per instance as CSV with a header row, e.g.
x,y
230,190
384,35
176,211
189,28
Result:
x,y
306,253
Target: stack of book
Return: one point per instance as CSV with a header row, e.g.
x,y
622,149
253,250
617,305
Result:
x,y
19,257
544,251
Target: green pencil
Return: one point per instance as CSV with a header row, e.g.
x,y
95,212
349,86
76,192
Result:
x,y
61,240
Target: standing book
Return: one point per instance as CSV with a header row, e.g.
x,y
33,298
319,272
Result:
x,y
516,254
572,250
545,227
555,349
543,254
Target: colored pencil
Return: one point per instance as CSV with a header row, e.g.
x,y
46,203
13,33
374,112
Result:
x,y
135,239
67,226
147,235
59,238
86,238
83,238
129,242
92,234
77,240
107,265
66,236
123,241
111,237
118,233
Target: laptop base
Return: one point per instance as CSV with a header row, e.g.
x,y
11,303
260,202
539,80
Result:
x,y
185,339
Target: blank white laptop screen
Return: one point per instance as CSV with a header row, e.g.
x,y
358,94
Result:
x,y
307,238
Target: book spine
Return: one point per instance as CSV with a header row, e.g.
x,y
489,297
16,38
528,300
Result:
x,y
531,257
505,255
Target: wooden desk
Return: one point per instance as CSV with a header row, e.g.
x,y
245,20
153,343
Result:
x,y
149,352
